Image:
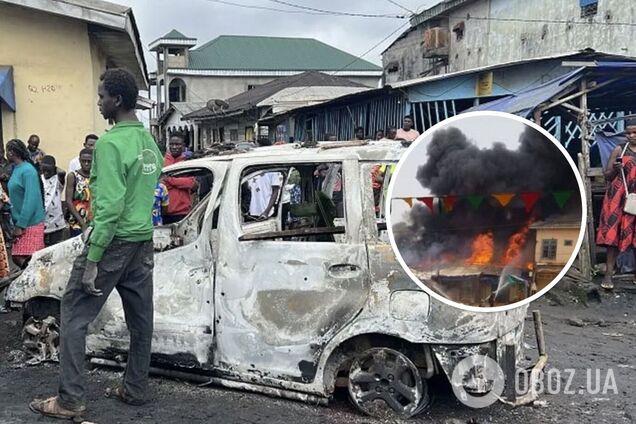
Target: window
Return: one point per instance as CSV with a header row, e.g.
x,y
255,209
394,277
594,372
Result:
x,y
180,201
300,202
589,8
458,29
568,243
175,52
233,135
177,90
548,248
221,135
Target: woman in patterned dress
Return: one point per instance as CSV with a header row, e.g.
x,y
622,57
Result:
x,y
616,228
78,194
27,201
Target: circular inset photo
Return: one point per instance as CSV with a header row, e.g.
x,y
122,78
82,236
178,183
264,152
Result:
x,y
487,211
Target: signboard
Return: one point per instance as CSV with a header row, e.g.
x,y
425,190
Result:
x,y
484,84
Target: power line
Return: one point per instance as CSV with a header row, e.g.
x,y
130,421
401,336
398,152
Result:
x,y
401,7
338,13
468,17
271,9
355,60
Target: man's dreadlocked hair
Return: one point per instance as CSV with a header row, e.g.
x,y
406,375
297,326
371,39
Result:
x,y
20,150
120,82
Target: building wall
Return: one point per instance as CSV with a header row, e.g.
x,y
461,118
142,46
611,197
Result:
x,y
507,36
204,88
563,252
56,69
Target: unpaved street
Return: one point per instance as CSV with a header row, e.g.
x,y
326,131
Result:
x,y
601,335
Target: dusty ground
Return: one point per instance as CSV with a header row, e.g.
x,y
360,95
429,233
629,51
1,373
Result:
x,y
600,335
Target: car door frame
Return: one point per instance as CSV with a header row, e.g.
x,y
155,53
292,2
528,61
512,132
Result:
x,y
242,349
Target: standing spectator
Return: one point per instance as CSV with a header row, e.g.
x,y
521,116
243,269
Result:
x,y
119,253
359,133
25,192
36,154
5,268
53,183
264,189
179,188
6,167
78,194
89,143
407,132
391,133
160,207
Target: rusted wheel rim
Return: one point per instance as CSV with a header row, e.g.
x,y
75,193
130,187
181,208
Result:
x,y
383,382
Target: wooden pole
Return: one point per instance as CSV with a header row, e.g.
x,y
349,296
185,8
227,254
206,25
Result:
x,y
586,256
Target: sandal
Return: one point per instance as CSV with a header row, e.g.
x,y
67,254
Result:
x,y
121,395
51,408
607,283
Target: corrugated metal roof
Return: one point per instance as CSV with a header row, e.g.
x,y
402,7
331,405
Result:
x,y
251,98
274,53
175,35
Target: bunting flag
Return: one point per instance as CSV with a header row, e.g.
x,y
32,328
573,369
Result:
x,y
475,200
449,202
428,201
530,199
562,197
446,204
503,198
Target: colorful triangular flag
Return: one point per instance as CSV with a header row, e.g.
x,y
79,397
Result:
x,y
562,197
503,198
530,199
475,200
409,201
449,202
428,201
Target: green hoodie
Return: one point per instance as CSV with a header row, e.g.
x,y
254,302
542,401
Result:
x,y
126,167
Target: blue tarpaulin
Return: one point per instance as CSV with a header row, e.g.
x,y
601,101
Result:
x,y
524,102
606,142
7,93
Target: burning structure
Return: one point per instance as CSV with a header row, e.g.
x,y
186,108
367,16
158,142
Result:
x,y
471,240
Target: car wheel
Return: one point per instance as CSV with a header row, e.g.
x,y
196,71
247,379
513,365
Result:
x,y
385,383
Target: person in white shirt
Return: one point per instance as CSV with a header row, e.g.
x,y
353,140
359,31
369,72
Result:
x,y
264,189
53,184
89,143
407,132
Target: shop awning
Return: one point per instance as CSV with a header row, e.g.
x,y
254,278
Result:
x,y
7,93
524,102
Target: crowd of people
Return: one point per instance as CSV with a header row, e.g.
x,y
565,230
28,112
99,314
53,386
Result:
x,y
42,205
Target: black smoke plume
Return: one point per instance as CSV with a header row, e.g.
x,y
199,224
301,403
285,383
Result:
x,y
456,166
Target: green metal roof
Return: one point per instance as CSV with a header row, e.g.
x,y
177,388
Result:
x,y
175,35
229,52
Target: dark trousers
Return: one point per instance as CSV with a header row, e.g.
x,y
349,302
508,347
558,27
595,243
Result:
x,y
53,238
171,219
126,266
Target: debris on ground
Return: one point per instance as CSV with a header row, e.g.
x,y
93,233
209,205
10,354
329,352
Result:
x,y
40,340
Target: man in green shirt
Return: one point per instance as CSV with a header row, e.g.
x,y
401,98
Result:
x,y
119,252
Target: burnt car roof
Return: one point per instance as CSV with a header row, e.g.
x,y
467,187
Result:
x,y
367,151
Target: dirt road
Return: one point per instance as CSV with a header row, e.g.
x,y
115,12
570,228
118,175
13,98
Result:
x,y
598,336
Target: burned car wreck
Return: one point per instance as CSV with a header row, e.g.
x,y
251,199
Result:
x,y
294,303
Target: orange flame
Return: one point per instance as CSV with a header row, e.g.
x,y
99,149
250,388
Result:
x,y
483,249
515,246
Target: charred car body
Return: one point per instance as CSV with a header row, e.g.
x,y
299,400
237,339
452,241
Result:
x,y
294,302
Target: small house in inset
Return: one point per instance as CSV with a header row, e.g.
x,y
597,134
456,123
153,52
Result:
x,y
556,239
